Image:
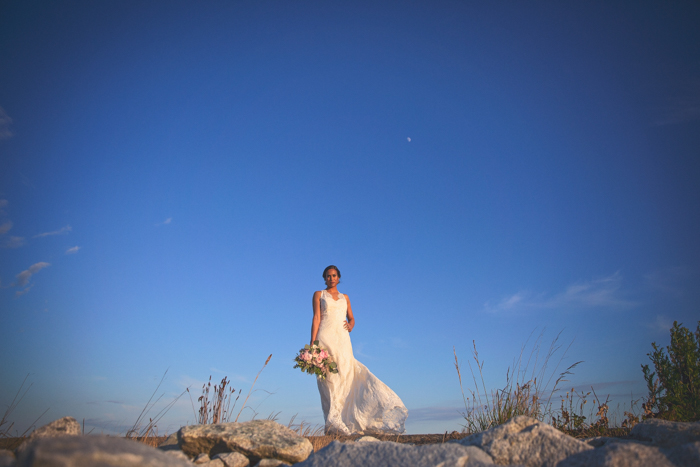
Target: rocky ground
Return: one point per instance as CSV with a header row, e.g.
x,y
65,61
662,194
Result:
x,y
521,441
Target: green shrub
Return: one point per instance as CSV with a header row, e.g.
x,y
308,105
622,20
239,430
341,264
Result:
x,y
674,386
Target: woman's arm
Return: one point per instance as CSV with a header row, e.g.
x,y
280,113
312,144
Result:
x,y
316,321
350,322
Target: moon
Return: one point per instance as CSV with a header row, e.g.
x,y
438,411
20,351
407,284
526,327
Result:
x,y
409,139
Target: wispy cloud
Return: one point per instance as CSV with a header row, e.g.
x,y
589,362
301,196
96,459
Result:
x,y
166,221
5,227
597,293
5,122
13,242
19,293
24,276
72,250
63,230
661,324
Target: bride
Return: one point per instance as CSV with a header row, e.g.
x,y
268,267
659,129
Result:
x,y
353,400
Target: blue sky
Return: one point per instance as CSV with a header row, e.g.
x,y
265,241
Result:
x,y
175,176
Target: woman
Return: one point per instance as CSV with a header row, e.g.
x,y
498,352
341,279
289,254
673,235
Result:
x,y
353,400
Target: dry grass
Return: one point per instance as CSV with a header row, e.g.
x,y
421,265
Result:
x,y
218,410
525,394
140,432
528,389
580,420
6,425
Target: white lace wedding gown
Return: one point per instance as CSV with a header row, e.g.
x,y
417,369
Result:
x,y
353,400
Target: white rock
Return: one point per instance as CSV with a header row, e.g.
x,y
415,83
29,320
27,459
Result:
x,y
201,458
367,439
389,453
177,454
233,459
271,463
524,440
685,454
103,451
7,458
257,439
213,463
666,434
619,455
66,426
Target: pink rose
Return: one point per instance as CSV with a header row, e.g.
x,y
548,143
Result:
x,y
323,355
306,356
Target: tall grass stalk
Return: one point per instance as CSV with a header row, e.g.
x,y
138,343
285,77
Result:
x,y
305,429
151,428
219,409
528,389
5,424
251,387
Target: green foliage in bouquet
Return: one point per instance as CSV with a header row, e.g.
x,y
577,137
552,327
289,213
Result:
x,y
315,360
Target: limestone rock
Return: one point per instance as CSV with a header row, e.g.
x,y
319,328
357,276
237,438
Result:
x,y
213,463
7,458
233,459
666,434
619,455
367,439
103,451
201,458
600,441
271,463
62,426
257,439
390,453
524,440
685,454
169,444
176,453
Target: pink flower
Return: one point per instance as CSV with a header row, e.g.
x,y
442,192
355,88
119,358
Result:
x,y
323,355
306,356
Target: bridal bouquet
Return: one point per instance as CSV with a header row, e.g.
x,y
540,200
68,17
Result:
x,y
315,361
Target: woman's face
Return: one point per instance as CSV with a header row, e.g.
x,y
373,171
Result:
x,y
332,278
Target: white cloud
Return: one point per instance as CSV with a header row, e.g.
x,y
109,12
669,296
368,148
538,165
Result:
x,y
5,227
5,122
166,221
24,276
661,324
19,293
63,230
73,250
13,242
604,292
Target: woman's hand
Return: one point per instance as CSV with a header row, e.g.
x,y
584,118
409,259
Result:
x,y
347,326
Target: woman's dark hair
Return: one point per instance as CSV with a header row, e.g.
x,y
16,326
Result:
x,y
331,267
